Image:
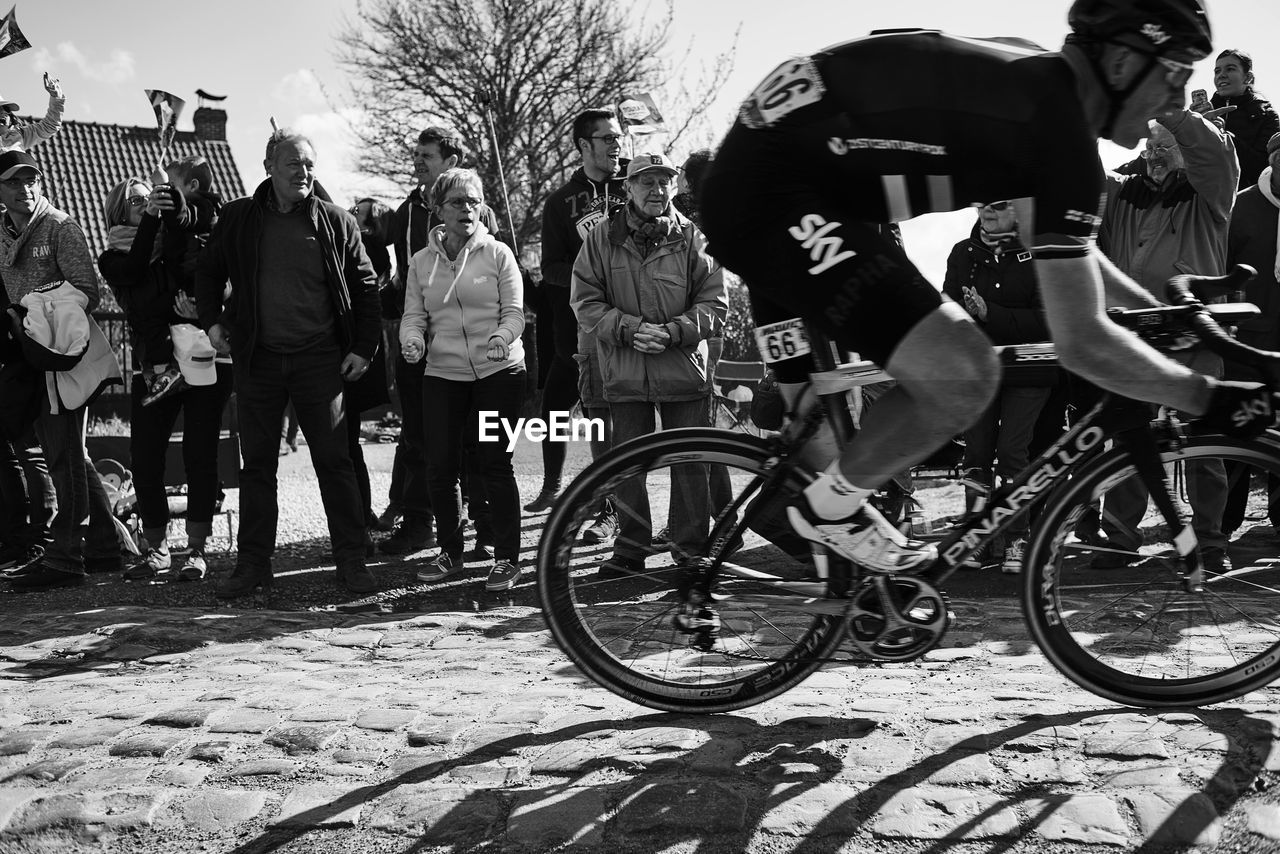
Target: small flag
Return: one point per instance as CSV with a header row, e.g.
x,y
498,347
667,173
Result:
x,y
167,109
640,115
11,38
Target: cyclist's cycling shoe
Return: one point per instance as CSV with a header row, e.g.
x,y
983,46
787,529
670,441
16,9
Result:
x,y
865,538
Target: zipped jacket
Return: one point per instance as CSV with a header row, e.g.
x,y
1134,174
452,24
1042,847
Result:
x,y
455,307
677,285
233,254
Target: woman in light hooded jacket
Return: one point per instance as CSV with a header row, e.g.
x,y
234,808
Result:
x,y
464,306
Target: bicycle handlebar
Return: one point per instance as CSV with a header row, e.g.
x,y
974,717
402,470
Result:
x,y
1188,291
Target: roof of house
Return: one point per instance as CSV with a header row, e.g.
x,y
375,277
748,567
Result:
x,y
84,160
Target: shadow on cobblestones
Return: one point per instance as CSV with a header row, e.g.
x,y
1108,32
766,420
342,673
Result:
x,y
696,788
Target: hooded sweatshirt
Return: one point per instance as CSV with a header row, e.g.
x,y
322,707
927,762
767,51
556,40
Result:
x,y
455,307
569,215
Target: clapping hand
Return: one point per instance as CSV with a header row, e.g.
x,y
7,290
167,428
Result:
x,y
497,351
974,304
412,350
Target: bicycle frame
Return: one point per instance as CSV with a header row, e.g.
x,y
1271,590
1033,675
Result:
x,y
1009,503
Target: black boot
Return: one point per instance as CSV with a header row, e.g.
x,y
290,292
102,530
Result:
x,y
243,581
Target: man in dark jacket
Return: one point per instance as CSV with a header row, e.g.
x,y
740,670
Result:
x,y
301,321
570,214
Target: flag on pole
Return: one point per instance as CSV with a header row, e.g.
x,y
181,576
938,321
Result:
x,y
167,108
640,115
11,38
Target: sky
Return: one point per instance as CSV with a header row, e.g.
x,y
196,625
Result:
x,y
277,58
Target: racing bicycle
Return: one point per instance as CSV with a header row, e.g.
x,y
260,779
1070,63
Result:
x,y
745,610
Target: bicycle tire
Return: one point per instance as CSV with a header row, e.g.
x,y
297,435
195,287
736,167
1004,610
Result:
x,y
627,643
1135,634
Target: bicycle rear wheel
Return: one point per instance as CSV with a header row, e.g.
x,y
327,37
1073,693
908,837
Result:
x,y
1120,621
619,626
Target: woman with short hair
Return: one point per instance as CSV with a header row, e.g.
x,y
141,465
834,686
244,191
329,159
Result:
x,y
464,307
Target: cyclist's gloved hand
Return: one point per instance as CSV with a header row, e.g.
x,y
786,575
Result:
x,y
1239,409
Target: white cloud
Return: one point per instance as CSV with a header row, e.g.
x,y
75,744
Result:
x,y
301,88
117,68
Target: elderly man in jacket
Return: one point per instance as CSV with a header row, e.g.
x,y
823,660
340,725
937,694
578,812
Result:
x,y
302,320
645,286
1171,221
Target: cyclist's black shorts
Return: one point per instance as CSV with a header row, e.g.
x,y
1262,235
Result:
x,y
801,256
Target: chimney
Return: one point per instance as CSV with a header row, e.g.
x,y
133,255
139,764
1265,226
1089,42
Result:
x,y
211,124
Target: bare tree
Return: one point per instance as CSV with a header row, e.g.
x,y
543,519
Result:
x,y
517,70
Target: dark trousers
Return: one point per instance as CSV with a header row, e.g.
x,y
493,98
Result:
x,y
455,408
27,501
1000,440
1238,477
409,490
560,388
151,427
264,387
79,493
689,513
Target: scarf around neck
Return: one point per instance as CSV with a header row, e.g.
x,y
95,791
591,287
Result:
x,y
648,233
1264,187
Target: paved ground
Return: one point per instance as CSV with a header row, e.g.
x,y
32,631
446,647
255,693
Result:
x,y
136,718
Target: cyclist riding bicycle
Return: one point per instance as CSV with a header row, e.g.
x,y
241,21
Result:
x,y
902,123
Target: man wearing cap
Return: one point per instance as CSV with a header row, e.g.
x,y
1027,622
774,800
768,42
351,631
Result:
x,y
1254,239
39,246
646,288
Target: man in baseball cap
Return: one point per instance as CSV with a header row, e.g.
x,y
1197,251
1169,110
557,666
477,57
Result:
x,y
650,163
13,162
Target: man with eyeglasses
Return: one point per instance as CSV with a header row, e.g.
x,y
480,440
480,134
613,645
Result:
x,y
1172,220
964,122
571,213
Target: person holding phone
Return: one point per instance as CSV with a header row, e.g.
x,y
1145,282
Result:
x,y
1251,120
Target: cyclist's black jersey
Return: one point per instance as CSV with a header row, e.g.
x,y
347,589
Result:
x,y
904,123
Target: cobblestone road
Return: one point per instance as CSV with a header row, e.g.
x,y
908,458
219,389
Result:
x,y
182,729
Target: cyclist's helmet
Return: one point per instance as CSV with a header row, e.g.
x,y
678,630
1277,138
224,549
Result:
x,y
1162,26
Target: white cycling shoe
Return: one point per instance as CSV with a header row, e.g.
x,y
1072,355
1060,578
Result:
x,y
866,538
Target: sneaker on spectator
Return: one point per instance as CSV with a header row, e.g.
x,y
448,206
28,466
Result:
x,y
503,576
194,567
387,520
621,567
356,577
603,529
662,540
153,562
1216,560
163,385
441,568
243,580
41,576
411,535
1013,553
14,557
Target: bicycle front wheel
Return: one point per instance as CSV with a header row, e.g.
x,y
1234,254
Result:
x,y
1104,594
617,619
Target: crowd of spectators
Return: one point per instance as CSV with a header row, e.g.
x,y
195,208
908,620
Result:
x,y
312,314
